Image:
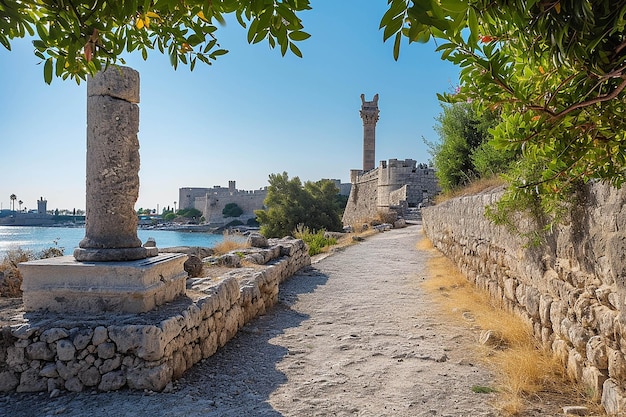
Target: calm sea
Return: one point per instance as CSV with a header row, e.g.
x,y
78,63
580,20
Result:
x,y
39,238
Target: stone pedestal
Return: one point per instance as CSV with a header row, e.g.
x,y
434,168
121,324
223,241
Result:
x,y
66,285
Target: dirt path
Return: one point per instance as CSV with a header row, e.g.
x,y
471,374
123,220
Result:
x,y
352,336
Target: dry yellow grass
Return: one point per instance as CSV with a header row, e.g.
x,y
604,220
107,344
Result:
x,y
229,244
523,370
472,188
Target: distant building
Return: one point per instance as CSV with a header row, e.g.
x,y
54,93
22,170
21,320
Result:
x,y
211,201
389,189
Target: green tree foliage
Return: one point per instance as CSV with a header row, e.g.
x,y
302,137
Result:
x,y
290,203
79,37
190,213
232,210
554,69
465,150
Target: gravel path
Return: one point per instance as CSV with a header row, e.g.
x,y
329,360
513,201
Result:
x,y
353,335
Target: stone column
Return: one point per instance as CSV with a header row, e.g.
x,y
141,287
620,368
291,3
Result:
x,y
369,114
112,168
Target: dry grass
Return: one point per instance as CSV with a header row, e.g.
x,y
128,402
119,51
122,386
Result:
x,y
229,244
524,371
472,188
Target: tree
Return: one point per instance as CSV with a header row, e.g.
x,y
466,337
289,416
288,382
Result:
x,y
290,203
464,151
232,210
20,202
554,69
80,37
13,197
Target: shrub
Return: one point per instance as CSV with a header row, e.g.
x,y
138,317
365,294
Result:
x,y
316,241
10,276
232,210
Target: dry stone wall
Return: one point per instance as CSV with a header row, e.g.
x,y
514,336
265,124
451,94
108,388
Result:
x,y
46,352
570,290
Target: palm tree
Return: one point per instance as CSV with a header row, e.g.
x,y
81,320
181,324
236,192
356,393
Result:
x,y
13,198
20,203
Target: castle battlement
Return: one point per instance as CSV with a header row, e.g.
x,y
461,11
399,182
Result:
x,y
390,188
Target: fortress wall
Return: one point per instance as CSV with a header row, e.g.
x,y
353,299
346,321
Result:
x,y
362,204
107,352
571,290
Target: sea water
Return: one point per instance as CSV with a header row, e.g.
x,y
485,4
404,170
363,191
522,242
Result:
x,y
38,238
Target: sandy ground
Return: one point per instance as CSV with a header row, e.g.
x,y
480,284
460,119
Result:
x,y
353,335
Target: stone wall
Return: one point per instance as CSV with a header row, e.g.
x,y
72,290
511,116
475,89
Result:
x,y
47,352
392,187
570,290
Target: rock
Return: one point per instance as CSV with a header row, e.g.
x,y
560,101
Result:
x,y
15,356
30,381
54,334
65,350
399,224
193,266
49,371
492,338
150,243
154,379
596,352
69,370
90,376
613,399
8,381
112,381
106,350
575,410
110,365
100,335
82,338
257,240
39,351
73,384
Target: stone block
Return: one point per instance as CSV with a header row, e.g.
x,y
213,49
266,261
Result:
x,y
39,351
65,285
65,350
30,381
117,82
100,335
593,379
144,340
112,381
596,352
613,398
154,379
54,334
8,381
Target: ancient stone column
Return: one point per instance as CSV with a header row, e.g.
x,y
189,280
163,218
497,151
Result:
x,y
369,114
112,168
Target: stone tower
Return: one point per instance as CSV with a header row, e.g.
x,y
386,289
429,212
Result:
x,y
369,114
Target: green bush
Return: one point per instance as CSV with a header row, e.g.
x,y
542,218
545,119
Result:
x,y
316,241
232,210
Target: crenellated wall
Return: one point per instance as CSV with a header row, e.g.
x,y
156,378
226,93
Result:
x,y
570,290
50,352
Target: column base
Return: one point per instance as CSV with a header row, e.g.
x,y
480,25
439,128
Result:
x,y
107,255
64,284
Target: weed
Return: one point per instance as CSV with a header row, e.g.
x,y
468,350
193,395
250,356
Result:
x,y
316,241
479,389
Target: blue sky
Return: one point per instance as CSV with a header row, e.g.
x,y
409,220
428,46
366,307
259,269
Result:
x,y
250,114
